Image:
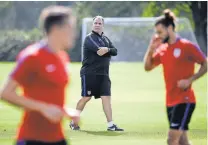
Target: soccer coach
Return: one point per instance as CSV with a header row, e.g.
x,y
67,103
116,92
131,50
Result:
x,y
95,80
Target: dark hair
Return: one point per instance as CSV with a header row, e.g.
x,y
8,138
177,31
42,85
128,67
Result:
x,y
98,17
54,15
167,19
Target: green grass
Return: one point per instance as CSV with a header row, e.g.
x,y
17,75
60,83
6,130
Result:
x,y
138,100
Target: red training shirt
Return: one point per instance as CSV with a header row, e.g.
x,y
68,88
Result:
x,y
178,61
43,76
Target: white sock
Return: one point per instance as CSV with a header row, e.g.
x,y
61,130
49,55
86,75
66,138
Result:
x,y
110,124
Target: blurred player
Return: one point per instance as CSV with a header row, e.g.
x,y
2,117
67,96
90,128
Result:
x,y
178,57
41,72
98,50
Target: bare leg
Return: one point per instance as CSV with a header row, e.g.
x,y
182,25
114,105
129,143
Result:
x,y
184,139
174,137
82,102
106,101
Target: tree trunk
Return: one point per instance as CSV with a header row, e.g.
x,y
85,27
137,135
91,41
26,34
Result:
x,y
199,12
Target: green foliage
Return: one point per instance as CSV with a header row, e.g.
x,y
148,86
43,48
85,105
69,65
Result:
x,y
181,9
23,16
5,4
31,35
151,10
4,7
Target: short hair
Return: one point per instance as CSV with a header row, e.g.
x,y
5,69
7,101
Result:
x,y
167,19
54,15
101,17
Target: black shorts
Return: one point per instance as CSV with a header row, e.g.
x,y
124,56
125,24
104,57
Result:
x,y
95,85
179,115
32,142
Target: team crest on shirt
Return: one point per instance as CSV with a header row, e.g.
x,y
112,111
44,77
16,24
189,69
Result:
x,y
50,68
177,52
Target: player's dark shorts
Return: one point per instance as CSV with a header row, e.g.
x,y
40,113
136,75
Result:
x,y
179,115
95,85
31,142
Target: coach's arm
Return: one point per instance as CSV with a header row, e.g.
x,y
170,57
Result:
x,y
90,44
112,50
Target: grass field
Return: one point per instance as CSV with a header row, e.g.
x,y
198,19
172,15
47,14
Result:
x,y
138,100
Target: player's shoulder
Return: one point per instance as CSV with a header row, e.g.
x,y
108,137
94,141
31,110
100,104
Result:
x,y
31,51
187,44
185,41
65,56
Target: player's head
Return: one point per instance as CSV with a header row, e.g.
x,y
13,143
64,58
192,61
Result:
x,y
98,24
165,25
59,23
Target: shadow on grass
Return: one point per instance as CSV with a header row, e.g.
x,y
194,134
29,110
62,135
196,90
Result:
x,y
102,133
194,133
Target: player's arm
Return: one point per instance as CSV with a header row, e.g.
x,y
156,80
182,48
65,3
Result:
x,y
201,72
8,93
198,56
152,59
19,77
148,60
